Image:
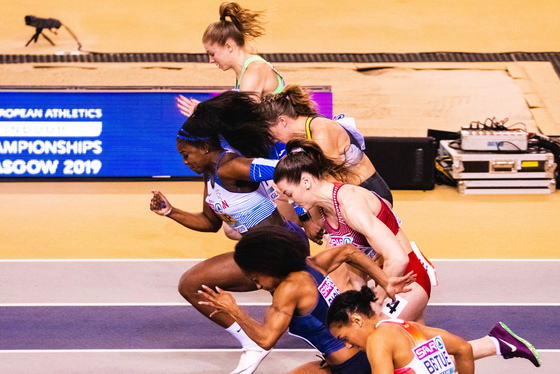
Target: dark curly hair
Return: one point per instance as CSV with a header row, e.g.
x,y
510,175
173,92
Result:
x,y
350,302
271,250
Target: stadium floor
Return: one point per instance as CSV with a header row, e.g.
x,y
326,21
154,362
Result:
x,y
125,316
88,274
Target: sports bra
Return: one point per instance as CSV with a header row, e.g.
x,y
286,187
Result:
x,y
353,154
240,210
344,234
312,327
430,356
280,86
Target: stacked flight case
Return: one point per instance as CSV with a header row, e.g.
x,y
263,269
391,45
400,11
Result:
x,y
476,172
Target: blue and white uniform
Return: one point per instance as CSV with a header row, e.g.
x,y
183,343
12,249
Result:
x,y
240,211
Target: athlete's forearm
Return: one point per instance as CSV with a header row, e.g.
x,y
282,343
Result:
x,y
194,221
256,331
464,363
362,262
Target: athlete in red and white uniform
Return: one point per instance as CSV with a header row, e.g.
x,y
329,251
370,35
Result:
x,y
355,215
352,214
345,234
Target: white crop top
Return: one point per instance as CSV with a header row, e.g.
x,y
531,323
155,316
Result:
x,y
240,210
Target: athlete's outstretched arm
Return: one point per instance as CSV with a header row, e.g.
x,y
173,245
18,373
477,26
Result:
x,y
357,208
205,221
248,169
276,320
456,346
330,259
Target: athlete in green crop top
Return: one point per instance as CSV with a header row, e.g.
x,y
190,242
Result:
x,y
227,44
252,59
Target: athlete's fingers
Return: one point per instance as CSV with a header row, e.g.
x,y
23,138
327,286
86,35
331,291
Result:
x,y
410,277
214,313
207,291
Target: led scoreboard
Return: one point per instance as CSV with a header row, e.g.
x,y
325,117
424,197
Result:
x,y
99,133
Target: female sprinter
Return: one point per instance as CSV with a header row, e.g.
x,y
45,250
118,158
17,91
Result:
x,y
229,196
301,294
352,214
394,346
225,42
340,143
291,114
401,347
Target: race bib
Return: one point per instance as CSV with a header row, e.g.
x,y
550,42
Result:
x,y
393,309
272,193
328,290
233,223
434,357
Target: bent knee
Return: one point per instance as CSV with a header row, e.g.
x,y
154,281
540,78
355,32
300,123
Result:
x,y
189,284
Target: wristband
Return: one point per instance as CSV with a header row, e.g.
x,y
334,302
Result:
x,y
262,169
168,212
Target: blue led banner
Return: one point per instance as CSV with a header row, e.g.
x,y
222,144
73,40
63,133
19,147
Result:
x,y
83,134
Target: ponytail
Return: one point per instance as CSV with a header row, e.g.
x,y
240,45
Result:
x,y
237,23
306,156
293,101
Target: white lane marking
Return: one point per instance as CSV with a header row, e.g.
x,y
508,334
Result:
x,y
246,304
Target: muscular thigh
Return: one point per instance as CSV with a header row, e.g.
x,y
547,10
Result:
x,y
221,271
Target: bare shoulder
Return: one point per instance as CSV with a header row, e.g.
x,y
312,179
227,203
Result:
x,y
387,333
325,126
296,283
256,65
350,195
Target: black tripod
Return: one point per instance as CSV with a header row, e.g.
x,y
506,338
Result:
x,y
46,23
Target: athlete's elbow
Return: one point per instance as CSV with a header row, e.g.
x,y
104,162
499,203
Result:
x,y
350,251
465,350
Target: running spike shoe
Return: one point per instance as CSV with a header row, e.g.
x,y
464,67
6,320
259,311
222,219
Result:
x,y
512,345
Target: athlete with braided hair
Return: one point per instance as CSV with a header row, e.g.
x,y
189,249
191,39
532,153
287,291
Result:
x,y
241,202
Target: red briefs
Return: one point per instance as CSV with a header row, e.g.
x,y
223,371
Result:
x,y
422,277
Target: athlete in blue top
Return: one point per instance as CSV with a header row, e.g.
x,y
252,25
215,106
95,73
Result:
x,y
301,294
